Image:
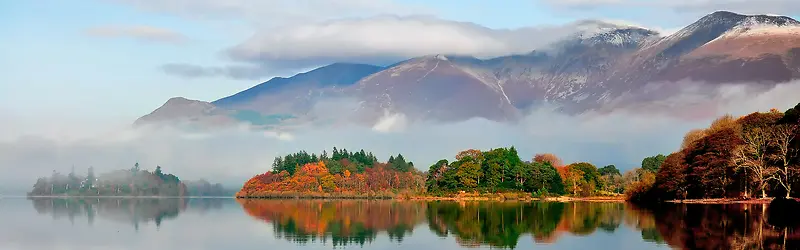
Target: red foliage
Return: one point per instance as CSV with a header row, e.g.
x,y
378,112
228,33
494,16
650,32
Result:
x,y
670,179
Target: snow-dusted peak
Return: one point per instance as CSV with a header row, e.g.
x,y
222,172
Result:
x,y
603,32
724,22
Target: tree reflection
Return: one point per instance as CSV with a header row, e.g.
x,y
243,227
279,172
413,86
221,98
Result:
x,y
733,226
342,222
503,224
472,224
130,211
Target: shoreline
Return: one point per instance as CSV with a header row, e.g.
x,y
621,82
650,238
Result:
x,y
722,201
123,197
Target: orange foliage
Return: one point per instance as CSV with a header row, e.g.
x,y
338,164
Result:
x,y
316,178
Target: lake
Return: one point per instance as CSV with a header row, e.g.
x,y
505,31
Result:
x,y
220,223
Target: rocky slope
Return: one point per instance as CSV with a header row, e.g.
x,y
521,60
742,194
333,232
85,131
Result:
x,y
589,70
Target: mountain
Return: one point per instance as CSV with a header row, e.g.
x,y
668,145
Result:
x,y
589,70
298,94
724,47
182,110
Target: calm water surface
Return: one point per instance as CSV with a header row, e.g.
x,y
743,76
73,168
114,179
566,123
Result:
x,y
48,223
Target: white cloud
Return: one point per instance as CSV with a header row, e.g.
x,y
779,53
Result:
x,y
276,12
143,33
388,39
782,7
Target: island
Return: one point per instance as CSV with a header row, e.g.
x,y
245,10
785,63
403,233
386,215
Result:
x,y
752,158
126,182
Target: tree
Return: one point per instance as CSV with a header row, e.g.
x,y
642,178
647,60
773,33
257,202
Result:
x,y
752,157
468,173
671,177
574,177
435,174
548,157
609,170
782,137
652,163
590,173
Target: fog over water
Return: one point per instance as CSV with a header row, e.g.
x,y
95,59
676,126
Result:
x,y
622,136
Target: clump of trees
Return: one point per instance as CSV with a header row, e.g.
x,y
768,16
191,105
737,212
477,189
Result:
x,y
498,169
354,173
757,155
131,182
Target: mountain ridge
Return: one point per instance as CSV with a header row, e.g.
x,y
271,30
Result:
x,y
581,72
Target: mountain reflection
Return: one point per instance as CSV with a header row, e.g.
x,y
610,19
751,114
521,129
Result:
x,y
503,224
123,210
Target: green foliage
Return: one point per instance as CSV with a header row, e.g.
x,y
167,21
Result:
x,y
609,170
399,163
590,173
653,163
498,169
340,160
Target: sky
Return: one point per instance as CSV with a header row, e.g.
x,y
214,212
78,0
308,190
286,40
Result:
x,y
85,67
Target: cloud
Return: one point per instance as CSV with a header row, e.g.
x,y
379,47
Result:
x,y
386,39
276,12
783,7
622,136
239,72
142,33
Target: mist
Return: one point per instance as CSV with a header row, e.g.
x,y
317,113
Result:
x,y
622,135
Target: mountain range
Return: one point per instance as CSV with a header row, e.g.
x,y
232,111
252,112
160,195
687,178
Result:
x,y
584,71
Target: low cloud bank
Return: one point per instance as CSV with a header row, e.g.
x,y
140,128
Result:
x,y
622,136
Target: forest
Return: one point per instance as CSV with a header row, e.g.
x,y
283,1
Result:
x,y
347,174
129,182
357,174
753,156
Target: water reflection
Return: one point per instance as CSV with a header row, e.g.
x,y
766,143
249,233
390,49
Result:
x,y
472,224
504,224
740,226
124,210
342,223
446,225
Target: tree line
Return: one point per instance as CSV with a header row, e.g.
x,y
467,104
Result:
x,y
753,156
346,173
352,173
128,182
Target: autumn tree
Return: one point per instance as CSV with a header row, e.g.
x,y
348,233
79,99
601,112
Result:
x,y
752,157
548,157
573,179
782,137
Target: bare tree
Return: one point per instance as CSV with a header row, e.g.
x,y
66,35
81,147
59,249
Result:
x,y
782,137
753,156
